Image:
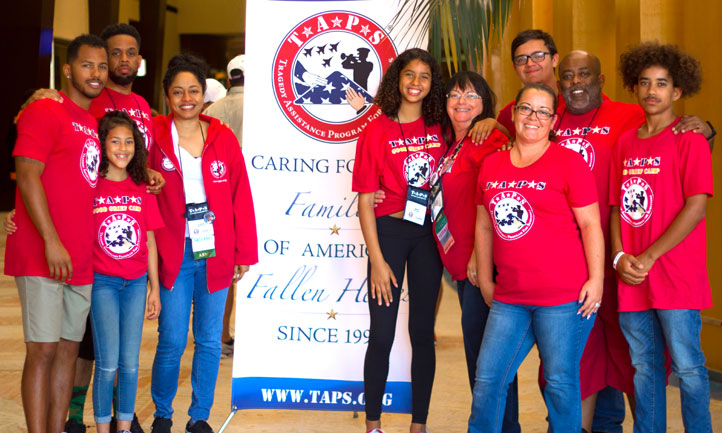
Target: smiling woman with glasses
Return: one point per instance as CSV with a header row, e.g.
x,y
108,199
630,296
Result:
x,y
538,222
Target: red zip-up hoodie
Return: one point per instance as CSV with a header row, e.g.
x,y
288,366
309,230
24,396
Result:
x,y
228,193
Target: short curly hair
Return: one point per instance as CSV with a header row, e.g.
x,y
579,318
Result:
x,y
185,63
120,29
685,70
138,166
388,97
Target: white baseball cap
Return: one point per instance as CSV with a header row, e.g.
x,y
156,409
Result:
x,y
214,90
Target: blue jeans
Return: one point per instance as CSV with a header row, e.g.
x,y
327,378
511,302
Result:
x,y
474,314
511,331
609,411
117,308
190,288
648,333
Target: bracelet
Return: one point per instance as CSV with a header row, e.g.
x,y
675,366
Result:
x,y
714,132
616,259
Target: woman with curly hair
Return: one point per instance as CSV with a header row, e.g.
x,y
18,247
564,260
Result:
x,y
209,240
658,188
397,152
124,260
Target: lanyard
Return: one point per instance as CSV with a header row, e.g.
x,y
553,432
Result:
x,y
586,130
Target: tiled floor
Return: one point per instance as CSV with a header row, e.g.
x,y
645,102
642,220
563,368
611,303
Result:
x,y
449,403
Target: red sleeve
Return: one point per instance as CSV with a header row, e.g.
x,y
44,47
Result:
x,y
581,186
615,172
504,118
493,142
244,214
368,161
695,165
479,196
38,130
634,117
151,213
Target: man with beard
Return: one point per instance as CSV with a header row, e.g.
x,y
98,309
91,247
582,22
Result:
x,y
590,124
57,154
123,42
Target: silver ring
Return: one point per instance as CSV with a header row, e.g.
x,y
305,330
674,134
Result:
x,y
597,305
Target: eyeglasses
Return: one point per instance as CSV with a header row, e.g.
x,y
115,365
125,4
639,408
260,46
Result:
x,y
527,111
536,57
456,96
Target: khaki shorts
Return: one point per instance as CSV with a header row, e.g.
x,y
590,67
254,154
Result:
x,y
53,309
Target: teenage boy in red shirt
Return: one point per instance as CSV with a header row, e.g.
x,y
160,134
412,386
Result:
x,y
659,184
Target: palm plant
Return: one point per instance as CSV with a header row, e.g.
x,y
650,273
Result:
x,y
459,31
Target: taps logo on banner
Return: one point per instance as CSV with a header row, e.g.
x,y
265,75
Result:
x,y
318,61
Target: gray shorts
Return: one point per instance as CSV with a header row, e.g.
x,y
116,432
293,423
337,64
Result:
x,y
53,309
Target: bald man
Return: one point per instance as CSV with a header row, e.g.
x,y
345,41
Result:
x,y
589,123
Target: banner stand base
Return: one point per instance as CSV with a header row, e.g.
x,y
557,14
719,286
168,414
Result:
x,y
234,409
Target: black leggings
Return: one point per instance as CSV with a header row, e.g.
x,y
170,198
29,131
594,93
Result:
x,y
404,244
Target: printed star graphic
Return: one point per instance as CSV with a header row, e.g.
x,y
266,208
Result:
x,y
650,160
512,184
117,199
329,87
325,101
332,314
429,138
336,22
558,133
636,161
306,100
415,140
307,32
577,131
365,30
532,184
345,86
495,184
101,200
596,129
334,229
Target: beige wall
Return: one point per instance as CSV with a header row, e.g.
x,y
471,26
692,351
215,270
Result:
x,y
70,19
211,16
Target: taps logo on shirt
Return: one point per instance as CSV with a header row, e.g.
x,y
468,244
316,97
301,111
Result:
x,y
637,201
318,61
512,215
418,167
90,161
581,146
218,169
167,164
119,236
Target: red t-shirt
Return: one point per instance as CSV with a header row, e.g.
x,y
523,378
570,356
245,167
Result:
x,y
537,245
64,138
124,213
390,156
504,116
135,106
459,184
650,180
593,136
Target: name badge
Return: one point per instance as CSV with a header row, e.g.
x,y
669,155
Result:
x,y
416,203
200,228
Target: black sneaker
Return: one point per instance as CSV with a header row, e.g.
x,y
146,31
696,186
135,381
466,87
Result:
x,y
161,425
72,426
135,425
199,426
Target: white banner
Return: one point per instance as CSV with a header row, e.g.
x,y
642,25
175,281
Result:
x,y
301,313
